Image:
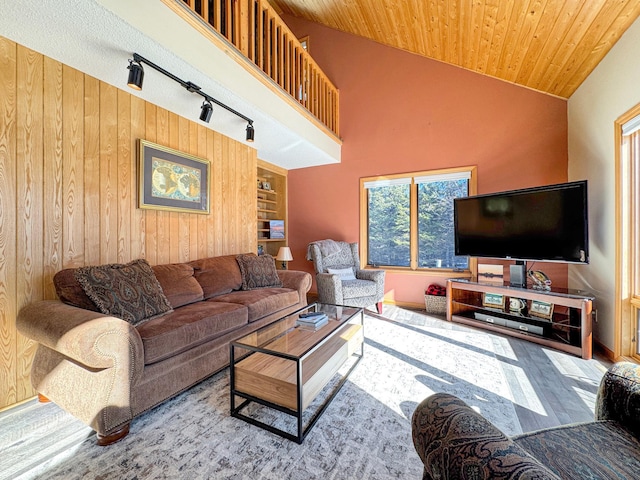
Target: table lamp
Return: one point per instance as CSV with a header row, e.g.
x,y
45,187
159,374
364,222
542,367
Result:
x,y
284,255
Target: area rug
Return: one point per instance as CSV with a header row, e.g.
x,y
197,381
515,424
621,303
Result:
x,y
364,433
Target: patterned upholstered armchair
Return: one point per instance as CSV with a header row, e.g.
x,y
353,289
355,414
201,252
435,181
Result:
x,y
339,277
455,442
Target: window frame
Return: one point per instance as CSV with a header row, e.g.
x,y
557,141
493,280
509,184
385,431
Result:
x,y
413,209
627,299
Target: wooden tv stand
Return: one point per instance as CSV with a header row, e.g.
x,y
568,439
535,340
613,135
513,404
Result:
x,y
568,329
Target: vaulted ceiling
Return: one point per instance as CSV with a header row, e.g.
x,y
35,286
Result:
x,y
547,45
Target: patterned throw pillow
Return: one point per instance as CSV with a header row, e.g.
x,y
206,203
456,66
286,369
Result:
x,y
258,271
130,291
343,273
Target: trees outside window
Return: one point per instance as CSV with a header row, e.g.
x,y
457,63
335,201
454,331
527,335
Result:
x,y
389,228
435,224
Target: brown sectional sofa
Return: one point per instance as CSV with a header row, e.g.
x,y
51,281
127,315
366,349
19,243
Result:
x,y
105,371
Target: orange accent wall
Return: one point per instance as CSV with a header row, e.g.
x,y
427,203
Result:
x,y
400,112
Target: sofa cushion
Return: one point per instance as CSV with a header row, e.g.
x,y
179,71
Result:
x,y
128,291
217,275
178,284
262,301
69,291
588,450
188,327
258,271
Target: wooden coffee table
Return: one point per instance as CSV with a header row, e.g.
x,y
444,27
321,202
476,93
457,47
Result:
x,y
284,366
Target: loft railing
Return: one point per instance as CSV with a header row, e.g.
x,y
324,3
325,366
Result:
x,y
258,32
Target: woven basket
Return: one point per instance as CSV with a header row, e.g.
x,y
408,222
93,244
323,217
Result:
x,y
435,304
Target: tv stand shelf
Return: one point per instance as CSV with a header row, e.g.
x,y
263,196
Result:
x,y
568,329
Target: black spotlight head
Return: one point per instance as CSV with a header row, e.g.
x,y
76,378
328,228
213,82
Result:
x,y
207,110
136,75
250,132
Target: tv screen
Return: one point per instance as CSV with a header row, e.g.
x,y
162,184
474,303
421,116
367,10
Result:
x,y
547,223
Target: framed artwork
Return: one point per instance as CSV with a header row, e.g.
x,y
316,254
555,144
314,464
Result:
x,y
493,300
172,180
490,273
541,309
276,228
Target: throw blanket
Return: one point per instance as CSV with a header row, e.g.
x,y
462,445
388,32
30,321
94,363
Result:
x,y
327,248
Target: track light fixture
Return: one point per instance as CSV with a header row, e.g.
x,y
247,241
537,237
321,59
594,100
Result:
x,y
136,75
207,110
250,132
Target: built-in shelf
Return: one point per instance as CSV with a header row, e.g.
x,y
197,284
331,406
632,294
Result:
x,y
272,205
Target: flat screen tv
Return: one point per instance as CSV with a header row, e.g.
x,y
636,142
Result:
x,y
547,223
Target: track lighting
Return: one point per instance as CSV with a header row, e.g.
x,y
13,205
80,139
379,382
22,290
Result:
x,y
136,75
250,132
207,110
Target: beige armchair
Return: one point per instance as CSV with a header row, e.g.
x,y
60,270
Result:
x,y
339,278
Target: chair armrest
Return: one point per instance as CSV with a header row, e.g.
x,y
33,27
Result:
x,y
296,280
373,275
619,396
329,288
455,442
92,339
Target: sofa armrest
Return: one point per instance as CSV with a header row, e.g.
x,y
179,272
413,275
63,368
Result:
x,y
619,396
455,442
296,280
92,339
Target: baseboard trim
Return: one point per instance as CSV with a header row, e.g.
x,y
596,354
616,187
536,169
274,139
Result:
x,y
410,305
603,351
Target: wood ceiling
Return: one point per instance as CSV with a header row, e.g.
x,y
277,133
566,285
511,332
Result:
x,y
547,45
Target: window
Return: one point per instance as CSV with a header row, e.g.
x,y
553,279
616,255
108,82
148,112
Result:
x,y
628,228
407,220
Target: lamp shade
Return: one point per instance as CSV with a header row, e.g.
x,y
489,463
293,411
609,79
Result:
x,y
284,254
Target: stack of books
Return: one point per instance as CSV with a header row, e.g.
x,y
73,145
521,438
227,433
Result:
x,y
312,320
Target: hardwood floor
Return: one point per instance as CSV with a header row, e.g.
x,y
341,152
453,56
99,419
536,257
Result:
x,y
549,387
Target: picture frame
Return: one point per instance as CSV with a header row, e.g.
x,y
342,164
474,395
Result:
x,y
491,273
493,300
172,180
276,229
541,309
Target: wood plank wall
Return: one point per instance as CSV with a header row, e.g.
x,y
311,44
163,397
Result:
x,y
68,190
